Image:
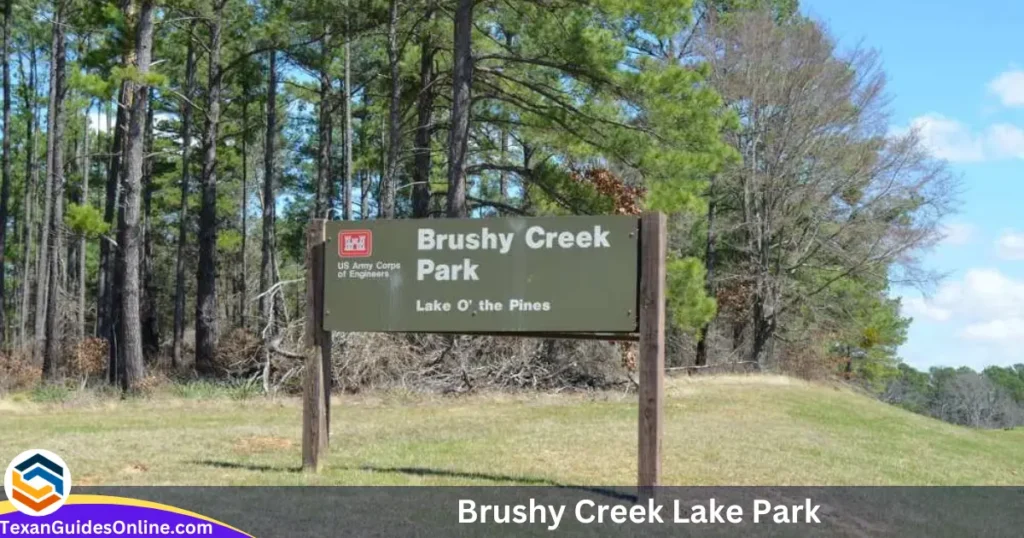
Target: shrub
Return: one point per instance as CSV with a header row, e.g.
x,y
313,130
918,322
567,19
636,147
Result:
x,y
443,363
205,389
811,362
245,390
17,372
196,390
51,393
88,358
238,352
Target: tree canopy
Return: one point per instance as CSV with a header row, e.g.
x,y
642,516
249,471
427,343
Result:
x,y
155,153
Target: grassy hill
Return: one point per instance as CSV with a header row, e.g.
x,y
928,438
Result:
x,y
719,431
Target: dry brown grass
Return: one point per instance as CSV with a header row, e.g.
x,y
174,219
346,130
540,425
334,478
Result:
x,y
262,443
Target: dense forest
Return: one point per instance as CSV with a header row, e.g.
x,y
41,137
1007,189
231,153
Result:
x,y
161,160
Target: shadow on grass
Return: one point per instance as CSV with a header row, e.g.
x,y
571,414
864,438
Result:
x,y
248,466
426,471
520,480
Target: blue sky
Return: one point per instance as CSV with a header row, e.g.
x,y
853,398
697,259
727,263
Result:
x,y
956,74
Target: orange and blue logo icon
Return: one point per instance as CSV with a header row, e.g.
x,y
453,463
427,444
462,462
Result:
x,y
37,482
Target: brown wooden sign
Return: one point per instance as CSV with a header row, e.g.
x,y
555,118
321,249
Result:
x,y
559,277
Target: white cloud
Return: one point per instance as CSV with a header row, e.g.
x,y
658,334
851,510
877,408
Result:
x,y
1009,86
1000,331
918,308
948,139
975,320
955,141
1004,140
982,295
1011,245
957,233
986,293
952,140
984,314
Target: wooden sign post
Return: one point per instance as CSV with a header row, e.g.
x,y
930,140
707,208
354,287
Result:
x,y
316,410
508,277
651,367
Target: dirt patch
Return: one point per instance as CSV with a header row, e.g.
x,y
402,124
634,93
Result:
x,y
88,480
257,444
136,468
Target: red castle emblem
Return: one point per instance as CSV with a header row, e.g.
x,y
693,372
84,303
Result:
x,y
355,243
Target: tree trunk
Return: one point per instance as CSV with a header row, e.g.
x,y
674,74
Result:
x,y
762,321
390,181
43,261
503,175
424,117
503,143
709,282
268,273
117,276
53,326
186,150
32,182
112,195
462,79
347,175
324,128
100,287
364,194
69,265
763,329
269,302
206,294
150,291
243,302
5,186
115,177
86,168
130,236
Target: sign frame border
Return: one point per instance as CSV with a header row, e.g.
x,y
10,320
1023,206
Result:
x,y
650,334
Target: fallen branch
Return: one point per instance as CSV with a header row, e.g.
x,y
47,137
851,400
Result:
x,y
275,287
706,366
275,346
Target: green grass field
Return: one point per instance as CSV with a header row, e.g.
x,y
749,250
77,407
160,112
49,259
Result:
x,y
718,431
